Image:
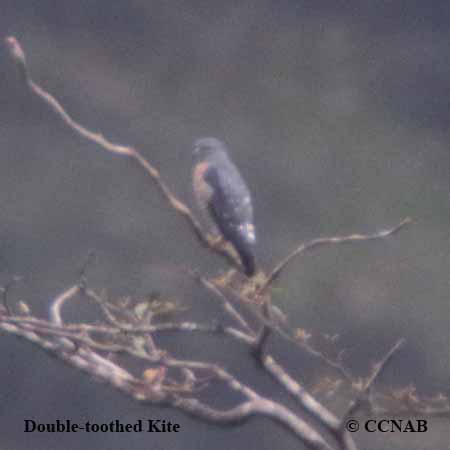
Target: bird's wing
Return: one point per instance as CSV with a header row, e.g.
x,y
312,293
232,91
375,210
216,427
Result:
x,y
230,203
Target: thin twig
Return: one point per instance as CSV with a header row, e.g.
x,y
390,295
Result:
x,y
4,290
55,309
378,369
276,271
263,335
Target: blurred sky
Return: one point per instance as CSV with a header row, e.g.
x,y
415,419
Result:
x,y
336,113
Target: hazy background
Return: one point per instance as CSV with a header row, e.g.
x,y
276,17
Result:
x,y
337,114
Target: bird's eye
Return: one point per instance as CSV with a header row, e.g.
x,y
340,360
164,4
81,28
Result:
x,y
202,149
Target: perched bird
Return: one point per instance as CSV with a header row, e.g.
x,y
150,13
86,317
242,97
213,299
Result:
x,y
221,191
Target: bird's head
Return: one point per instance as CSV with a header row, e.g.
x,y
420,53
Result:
x,y
209,146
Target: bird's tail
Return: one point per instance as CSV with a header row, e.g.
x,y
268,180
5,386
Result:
x,y
247,257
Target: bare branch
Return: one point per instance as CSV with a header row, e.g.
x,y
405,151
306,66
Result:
x,y
226,305
19,57
91,362
55,310
406,401
378,368
84,358
309,404
263,335
285,417
300,394
276,271
264,317
246,410
4,290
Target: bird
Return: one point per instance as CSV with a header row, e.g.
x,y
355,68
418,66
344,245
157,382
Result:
x,y
221,191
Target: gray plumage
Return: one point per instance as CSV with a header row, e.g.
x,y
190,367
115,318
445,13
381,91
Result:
x,y
219,186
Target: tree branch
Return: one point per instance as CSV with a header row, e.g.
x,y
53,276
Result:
x,y
378,368
276,271
18,55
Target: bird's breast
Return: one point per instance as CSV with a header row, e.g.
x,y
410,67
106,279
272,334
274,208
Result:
x,y
202,189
